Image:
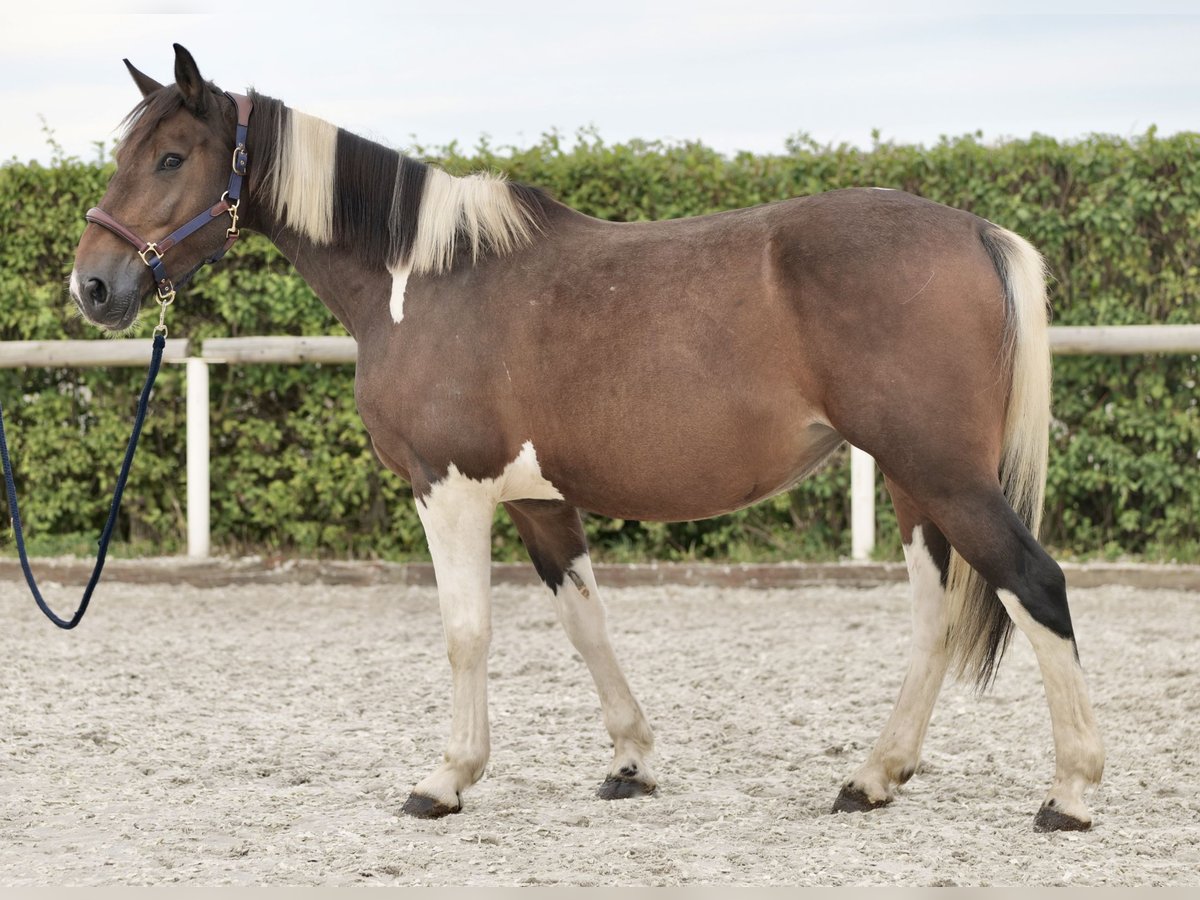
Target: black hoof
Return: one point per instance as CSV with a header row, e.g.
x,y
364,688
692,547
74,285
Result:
x,y
852,799
617,788
1050,819
421,807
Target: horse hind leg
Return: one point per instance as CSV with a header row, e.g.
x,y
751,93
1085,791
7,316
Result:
x,y
896,753
992,539
553,535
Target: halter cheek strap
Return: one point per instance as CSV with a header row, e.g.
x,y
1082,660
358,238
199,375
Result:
x,y
152,252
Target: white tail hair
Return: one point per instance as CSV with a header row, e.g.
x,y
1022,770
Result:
x,y
980,627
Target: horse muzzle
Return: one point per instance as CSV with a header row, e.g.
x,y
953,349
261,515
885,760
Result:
x,y
108,299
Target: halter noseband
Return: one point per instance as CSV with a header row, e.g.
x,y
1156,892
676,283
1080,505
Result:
x,y
152,252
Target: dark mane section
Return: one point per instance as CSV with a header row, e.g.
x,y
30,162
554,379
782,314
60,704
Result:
x,y
266,123
406,208
363,184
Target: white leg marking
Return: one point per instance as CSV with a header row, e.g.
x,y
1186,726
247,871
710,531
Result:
x,y
399,284
582,614
895,755
1078,749
457,517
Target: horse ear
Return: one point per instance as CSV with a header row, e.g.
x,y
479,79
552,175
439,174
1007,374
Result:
x,y
145,83
191,84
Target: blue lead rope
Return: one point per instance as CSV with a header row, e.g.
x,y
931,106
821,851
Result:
x,y
160,341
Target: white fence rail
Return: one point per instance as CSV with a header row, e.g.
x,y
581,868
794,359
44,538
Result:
x,y
1116,340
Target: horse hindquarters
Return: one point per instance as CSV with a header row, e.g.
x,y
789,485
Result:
x,y
984,494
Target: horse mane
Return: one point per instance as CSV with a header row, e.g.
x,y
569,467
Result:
x,y
390,210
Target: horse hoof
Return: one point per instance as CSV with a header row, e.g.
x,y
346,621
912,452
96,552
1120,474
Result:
x,y
1051,819
421,807
616,787
853,799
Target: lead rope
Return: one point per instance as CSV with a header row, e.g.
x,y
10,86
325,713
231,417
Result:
x,y
160,342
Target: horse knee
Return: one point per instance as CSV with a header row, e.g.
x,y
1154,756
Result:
x,y
467,645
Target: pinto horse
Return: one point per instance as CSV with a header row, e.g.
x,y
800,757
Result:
x,y
514,351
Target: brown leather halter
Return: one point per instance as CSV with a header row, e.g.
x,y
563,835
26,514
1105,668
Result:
x,y
152,252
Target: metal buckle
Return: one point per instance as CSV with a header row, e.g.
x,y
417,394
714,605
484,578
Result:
x,y
165,297
157,256
232,230
238,163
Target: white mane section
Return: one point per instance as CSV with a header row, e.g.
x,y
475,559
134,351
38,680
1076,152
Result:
x,y
478,209
300,180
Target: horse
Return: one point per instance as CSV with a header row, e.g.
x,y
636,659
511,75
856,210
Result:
x,y
514,351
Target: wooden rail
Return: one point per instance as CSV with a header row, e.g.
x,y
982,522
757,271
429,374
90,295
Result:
x,y
289,350
72,354
1123,340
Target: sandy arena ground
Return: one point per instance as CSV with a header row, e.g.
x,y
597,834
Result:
x,y
268,734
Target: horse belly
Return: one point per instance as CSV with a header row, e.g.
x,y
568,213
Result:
x,y
697,476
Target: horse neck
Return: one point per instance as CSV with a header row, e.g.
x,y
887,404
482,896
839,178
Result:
x,y
354,290
347,211
356,295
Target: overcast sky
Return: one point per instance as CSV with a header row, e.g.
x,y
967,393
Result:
x,y
738,75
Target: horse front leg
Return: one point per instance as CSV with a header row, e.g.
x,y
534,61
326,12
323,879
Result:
x,y
458,523
553,535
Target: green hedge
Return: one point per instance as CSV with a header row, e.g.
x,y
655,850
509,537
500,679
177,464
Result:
x,y
292,471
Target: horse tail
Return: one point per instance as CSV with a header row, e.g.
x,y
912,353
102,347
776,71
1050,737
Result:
x,y
980,627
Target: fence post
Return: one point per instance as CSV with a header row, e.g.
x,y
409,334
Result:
x,y
197,458
862,504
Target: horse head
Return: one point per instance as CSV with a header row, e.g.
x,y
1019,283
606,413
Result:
x,y
172,163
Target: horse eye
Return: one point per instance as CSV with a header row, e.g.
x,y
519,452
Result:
x,y
171,161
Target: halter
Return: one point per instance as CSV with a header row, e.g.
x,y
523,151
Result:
x,y
152,252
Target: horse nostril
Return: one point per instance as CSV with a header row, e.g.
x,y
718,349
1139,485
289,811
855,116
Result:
x,y
96,291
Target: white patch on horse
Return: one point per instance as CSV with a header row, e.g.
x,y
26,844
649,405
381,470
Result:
x,y
480,209
882,189
521,479
399,284
300,179
1078,749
